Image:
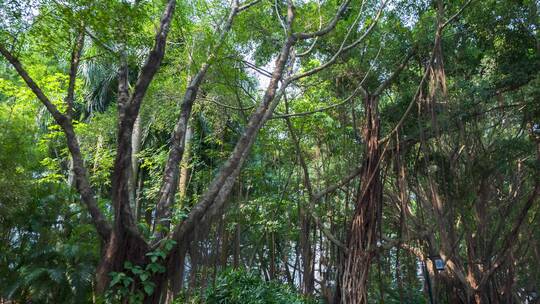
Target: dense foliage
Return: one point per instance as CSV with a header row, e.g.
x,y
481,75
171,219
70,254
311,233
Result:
x,y
263,151
237,286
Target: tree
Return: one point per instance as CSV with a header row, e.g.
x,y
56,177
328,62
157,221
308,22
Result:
x,y
122,240
332,147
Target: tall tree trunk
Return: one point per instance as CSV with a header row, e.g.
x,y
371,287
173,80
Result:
x,y
306,251
305,222
272,248
136,140
362,232
125,243
236,258
184,165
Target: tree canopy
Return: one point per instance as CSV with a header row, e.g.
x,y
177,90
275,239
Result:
x,y
258,151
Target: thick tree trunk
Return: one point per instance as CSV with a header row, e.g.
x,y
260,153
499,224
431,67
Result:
x,y
362,232
125,243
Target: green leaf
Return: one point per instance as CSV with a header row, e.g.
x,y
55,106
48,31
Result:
x,y
149,288
127,281
144,276
137,270
116,277
169,244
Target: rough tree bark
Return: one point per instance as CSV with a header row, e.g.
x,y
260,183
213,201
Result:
x,y
361,238
184,165
136,142
362,233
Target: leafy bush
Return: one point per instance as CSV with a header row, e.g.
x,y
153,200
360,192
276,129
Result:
x,y
239,286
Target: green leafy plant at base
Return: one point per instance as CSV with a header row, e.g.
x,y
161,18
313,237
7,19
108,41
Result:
x,y
134,283
242,287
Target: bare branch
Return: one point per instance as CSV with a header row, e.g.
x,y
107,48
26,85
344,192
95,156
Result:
x,y
342,48
248,5
453,17
329,27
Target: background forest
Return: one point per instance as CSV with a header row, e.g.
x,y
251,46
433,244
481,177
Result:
x,y
269,151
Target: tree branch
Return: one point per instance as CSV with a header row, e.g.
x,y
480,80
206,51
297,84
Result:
x,y
346,100
221,185
151,66
453,17
309,186
513,234
81,175
342,48
170,176
394,75
75,59
248,5
329,27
